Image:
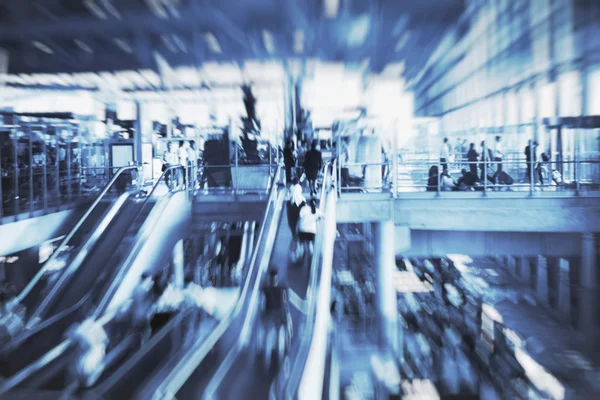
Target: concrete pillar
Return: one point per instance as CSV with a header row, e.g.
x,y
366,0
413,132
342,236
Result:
x,y
137,134
511,265
384,233
588,279
564,290
525,273
541,283
178,264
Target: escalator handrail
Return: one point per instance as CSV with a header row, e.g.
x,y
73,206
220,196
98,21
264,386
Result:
x,y
77,261
124,267
70,235
190,361
291,386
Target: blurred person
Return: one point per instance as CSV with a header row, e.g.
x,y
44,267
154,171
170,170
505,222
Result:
x,y
297,201
276,319
542,169
169,159
445,153
307,224
432,180
472,157
485,158
497,157
467,180
447,182
530,157
312,165
289,160
183,160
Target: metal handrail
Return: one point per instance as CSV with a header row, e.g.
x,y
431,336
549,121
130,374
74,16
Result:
x,y
117,281
178,376
69,236
293,383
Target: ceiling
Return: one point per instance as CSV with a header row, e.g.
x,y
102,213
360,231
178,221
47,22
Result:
x,y
69,36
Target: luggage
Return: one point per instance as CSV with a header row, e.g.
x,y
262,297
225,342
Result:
x,y
505,179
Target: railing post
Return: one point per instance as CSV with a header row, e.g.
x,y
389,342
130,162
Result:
x,y
68,142
395,165
44,171
237,170
439,177
16,172
576,162
30,151
1,194
485,157
531,168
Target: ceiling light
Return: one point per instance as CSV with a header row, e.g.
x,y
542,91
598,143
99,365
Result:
x,y
213,43
83,46
42,47
299,41
269,42
95,9
168,44
359,31
157,8
123,45
180,43
403,40
331,8
111,8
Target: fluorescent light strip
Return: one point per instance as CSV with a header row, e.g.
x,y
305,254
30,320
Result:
x,y
42,47
83,46
269,42
331,8
402,41
95,9
123,45
299,41
213,43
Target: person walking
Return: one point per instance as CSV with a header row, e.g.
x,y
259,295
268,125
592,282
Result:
x,y
169,158
498,155
307,225
289,160
312,165
445,153
530,158
472,157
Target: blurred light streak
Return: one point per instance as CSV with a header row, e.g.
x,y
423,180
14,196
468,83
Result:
x,y
123,45
213,43
299,41
359,31
331,8
83,46
268,41
42,47
95,9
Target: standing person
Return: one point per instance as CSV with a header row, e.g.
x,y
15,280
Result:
x,y
297,201
312,165
307,225
445,153
192,161
289,160
183,159
472,158
498,155
485,158
169,158
530,157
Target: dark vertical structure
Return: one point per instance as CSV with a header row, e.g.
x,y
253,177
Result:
x,y
251,126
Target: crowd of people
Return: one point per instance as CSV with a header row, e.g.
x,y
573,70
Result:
x,y
184,155
485,164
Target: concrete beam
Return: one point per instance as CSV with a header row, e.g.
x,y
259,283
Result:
x,y
567,214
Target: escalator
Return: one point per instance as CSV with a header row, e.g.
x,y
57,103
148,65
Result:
x,y
230,367
127,240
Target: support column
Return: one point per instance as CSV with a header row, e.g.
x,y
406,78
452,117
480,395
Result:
x,y
525,273
588,287
511,265
541,284
178,264
137,134
564,290
384,234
